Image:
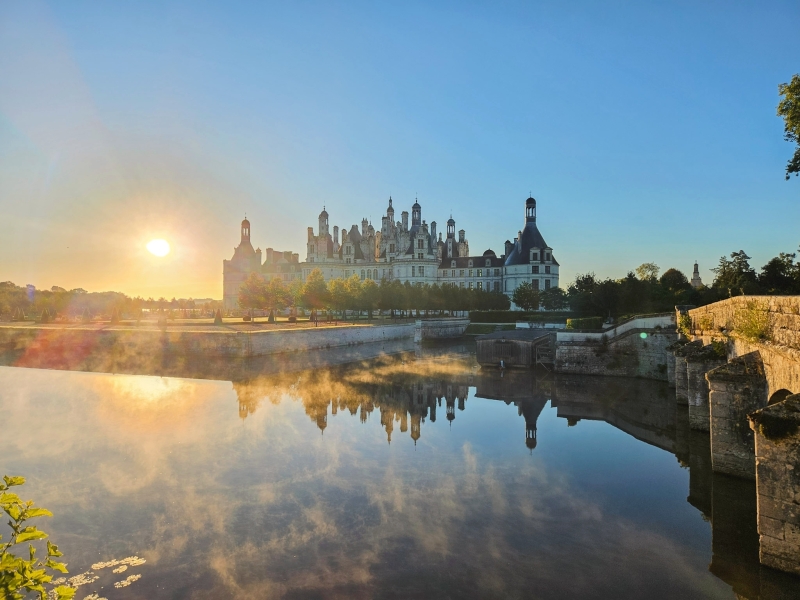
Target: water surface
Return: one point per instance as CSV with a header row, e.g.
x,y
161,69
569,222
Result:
x,y
412,475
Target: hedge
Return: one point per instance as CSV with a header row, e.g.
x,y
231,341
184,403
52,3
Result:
x,y
585,323
512,316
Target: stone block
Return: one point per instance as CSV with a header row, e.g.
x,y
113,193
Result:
x,y
777,444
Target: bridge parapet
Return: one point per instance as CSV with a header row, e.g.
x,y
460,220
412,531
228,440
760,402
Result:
x,y
774,319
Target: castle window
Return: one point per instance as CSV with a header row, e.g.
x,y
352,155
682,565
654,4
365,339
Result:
x,y
453,273
480,272
547,269
488,262
470,264
496,286
462,284
362,274
311,259
480,285
419,256
391,247
497,272
535,284
470,285
535,269
452,263
534,256
347,273
470,271
547,284
413,271
419,243
547,257
444,272
461,273
421,271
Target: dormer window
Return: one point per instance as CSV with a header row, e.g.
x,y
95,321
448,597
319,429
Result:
x,y
534,256
470,263
547,257
452,263
488,262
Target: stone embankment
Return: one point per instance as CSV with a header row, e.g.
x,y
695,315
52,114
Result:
x,y
216,342
738,368
635,348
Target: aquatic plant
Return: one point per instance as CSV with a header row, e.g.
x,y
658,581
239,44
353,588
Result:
x,y
20,577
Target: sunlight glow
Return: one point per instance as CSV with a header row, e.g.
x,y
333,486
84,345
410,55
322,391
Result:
x,y
158,247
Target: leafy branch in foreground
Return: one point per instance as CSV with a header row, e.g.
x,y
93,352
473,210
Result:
x,y
19,577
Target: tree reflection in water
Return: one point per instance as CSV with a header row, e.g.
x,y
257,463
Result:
x,y
343,517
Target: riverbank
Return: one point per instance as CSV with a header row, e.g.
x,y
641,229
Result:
x,y
240,340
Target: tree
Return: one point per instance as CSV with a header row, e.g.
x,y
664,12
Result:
x,y
277,296
553,299
647,271
735,276
789,109
780,275
370,294
253,292
315,291
674,280
526,296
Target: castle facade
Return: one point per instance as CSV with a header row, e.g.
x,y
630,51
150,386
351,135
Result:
x,y
403,251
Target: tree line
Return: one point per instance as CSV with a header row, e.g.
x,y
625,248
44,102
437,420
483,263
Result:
x,y
18,300
355,294
643,291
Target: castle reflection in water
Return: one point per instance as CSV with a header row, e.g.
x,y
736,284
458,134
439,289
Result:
x,y
409,389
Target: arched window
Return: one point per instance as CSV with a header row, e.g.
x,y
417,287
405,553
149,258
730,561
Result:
x,y
362,274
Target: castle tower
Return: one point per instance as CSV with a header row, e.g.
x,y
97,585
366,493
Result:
x,y
416,215
246,231
696,281
323,223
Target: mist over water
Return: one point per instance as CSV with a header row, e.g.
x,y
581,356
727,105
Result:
x,y
379,473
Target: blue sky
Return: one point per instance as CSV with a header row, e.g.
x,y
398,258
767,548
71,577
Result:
x,y
647,132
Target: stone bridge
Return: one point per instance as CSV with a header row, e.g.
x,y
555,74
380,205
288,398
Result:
x,y
737,366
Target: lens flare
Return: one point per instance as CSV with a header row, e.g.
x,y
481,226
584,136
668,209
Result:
x,y
158,247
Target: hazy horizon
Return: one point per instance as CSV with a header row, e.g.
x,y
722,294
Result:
x,y
646,133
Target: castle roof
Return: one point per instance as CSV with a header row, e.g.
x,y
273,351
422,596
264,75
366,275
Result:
x,y
531,238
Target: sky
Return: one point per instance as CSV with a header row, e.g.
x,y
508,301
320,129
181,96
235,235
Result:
x,y
647,131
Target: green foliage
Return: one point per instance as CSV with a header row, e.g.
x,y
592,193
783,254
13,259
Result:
x,y
554,299
647,271
789,109
685,325
752,322
315,291
585,323
511,316
20,577
674,280
735,275
526,296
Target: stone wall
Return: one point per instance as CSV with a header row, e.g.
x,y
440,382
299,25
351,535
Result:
x,y
779,316
736,389
777,446
222,343
629,355
439,329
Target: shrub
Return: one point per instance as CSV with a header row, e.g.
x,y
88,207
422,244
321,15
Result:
x,y
18,576
752,322
585,323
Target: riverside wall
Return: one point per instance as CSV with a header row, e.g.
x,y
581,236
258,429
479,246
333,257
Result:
x,y
628,356
206,342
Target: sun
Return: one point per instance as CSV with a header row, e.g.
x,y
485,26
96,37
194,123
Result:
x,y
158,247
